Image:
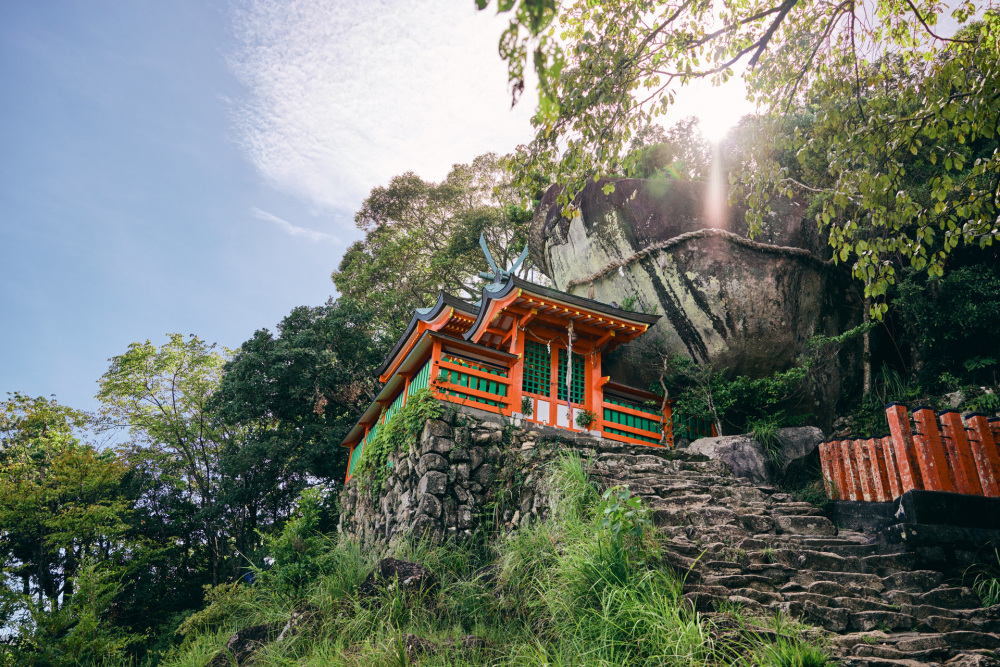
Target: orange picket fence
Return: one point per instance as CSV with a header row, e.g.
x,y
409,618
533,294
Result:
x,y
931,452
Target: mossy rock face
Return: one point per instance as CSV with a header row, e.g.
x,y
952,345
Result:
x,y
747,310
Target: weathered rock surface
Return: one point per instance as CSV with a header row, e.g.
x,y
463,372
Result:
x,y
746,309
747,459
243,644
410,577
741,453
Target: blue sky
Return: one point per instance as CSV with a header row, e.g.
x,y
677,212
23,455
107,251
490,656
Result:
x,y
194,166
149,182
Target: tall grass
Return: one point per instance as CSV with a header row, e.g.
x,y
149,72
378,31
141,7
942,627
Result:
x,y
986,583
567,591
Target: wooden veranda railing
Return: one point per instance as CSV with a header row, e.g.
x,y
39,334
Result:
x,y
473,381
955,455
631,419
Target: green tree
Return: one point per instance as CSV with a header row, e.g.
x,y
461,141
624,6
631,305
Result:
x,y
59,500
161,396
678,153
63,534
880,85
423,237
78,633
293,396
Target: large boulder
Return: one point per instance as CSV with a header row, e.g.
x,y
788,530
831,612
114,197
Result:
x,y
741,453
748,308
747,458
243,644
411,578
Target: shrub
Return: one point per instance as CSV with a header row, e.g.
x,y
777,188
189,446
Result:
x,y
585,418
405,425
765,432
223,604
299,551
787,652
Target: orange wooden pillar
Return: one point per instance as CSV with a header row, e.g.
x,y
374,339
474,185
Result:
x,y
826,465
668,424
837,470
864,470
406,386
956,443
995,430
852,482
933,462
910,475
891,469
588,396
880,478
516,372
984,451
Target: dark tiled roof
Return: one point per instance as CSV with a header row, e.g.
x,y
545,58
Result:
x,y
556,295
444,300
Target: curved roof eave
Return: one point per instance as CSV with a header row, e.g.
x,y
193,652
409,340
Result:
x,y
555,295
444,300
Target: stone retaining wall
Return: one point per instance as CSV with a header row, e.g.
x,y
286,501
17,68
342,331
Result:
x,y
471,469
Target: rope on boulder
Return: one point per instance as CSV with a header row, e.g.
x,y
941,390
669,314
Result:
x,y
786,251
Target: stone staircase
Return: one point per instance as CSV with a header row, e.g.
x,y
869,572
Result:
x,y
739,544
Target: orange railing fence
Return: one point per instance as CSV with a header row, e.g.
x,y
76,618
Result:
x,y
931,452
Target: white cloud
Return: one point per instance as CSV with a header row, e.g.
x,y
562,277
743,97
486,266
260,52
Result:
x,y
293,230
345,94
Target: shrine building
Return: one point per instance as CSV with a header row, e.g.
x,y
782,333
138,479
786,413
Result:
x,y
510,354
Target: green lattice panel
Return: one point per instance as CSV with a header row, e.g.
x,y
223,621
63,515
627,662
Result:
x,y
360,449
537,369
473,381
616,417
579,381
421,380
394,408
691,427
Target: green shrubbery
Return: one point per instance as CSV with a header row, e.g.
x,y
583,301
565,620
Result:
x,y
391,437
586,588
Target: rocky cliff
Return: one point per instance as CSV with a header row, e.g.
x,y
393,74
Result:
x,y
746,305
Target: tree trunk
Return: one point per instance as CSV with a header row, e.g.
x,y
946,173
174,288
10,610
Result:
x,y
866,354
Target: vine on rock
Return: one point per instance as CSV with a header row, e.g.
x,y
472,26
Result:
x,y
394,435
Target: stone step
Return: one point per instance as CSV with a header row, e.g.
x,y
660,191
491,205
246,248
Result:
x,y
949,597
936,649
756,523
913,581
818,560
886,564
686,500
869,583
887,621
859,604
970,639
794,509
857,550
722,567
763,597
852,661
698,517
815,526
734,581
